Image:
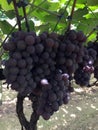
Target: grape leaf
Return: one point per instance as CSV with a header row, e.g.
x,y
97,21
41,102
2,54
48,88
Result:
x,y
9,1
81,1
5,27
31,25
87,25
92,2
78,14
10,14
6,6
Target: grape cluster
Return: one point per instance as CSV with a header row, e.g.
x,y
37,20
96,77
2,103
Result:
x,y
94,45
20,63
70,51
82,77
43,65
96,72
83,73
54,94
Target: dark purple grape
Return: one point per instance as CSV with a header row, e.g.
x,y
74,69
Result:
x,y
46,115
52,97
81,77
65,100
15,86
11,62
35,58
53,35
30,49
61,60
72,35
21,79
13,70
69,62
37,39
30,40
17,55
70,89
40,111
81,37
96,72
31,82
55,106
20,34
62,47
70,47
50,42
11,78
29,61
59,94
21,63
39,48
25,54
21,45
9,46
23,71
45,55
32,33
43,36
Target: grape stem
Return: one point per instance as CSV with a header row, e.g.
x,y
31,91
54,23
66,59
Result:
x,y
26,20
27,125
34,116
61,15
71,15
94,29
17,15
19,110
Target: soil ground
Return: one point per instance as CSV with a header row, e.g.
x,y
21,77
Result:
x,y
81,113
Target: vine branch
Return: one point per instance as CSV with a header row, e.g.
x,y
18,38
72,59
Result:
x,y
94,29
71,15
19,110
34,116
26,20
17,14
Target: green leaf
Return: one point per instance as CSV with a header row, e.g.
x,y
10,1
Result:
x,y
54,6
50,18
5,5
87,25
92,15
9,1
42,28
31,25
92,2
39,15
81,1
5,27
79,14
92,37
10,14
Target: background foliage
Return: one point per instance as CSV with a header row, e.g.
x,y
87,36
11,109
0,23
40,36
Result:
x,y
50,15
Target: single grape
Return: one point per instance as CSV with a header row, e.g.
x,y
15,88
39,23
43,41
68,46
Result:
x,y
30,40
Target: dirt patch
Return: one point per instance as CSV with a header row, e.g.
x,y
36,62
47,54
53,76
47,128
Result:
x,y
80,114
